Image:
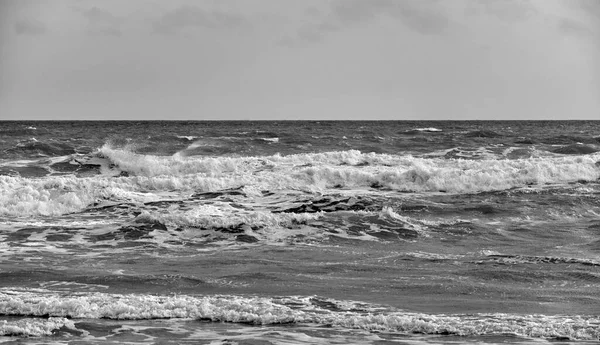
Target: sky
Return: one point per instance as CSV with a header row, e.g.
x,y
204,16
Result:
x,y
299,60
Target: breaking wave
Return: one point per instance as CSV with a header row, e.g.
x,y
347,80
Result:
x,y
356,169
130,177
34,327
285,310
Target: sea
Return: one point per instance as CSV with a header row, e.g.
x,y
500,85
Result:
x,y
299,232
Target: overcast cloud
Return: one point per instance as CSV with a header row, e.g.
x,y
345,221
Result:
x,y
287,59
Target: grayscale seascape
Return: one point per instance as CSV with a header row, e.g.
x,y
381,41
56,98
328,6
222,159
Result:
x,y
299,172
299,232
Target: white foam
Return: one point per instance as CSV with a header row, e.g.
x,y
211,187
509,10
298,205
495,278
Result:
x,y
209,216
34,327
270,227
315,173
433,256
397,172
56,195
428,129
188,137
456,175
264,311
388,213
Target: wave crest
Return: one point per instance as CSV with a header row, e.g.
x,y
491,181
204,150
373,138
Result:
x,y
149,177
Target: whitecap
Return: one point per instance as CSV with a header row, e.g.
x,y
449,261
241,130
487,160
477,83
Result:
x,y
428,129
150,176
188,137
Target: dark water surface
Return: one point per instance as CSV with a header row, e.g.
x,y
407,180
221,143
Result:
x,y
300,232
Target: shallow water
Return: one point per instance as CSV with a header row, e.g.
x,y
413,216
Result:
x,y
299,232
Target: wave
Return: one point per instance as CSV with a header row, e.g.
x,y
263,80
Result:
x,y
428,129
59,195
34,327
131,177
210,217
146,165
187,137
285,310
455,176
421,130
208,223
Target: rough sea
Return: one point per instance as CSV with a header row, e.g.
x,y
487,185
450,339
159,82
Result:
x,y
300,232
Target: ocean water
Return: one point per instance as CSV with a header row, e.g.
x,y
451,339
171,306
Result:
x,y
300,232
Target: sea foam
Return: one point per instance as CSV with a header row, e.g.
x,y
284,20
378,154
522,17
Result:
x,y
34,327
150,176
353,168
266,311
209,216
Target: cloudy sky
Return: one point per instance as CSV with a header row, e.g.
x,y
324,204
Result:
x,y
290,59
